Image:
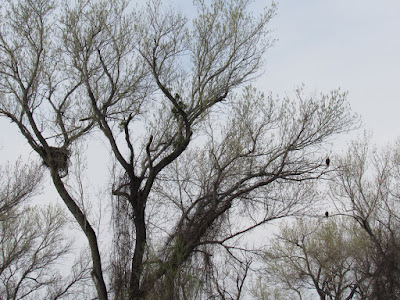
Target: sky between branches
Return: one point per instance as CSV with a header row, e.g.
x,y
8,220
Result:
x,y
354,45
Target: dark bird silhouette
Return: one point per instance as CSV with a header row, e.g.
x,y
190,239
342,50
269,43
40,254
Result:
x,y
326,214
328,162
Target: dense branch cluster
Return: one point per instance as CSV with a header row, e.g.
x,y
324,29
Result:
x,y
353,253
194,150
32,240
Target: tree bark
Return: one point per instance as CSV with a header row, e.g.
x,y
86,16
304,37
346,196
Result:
x,y
97,273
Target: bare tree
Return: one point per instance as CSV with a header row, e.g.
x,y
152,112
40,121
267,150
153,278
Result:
x,y
366,187
17,184
32,240
325,255
190,156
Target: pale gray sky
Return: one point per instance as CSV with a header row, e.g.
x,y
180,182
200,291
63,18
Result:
x,y
351,44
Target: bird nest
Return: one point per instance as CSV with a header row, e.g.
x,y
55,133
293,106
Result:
x,y
56,158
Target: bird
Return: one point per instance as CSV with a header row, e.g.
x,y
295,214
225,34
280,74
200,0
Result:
x,y
327,161
326,214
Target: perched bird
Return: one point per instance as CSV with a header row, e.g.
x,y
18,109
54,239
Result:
x,y
327,161
326,214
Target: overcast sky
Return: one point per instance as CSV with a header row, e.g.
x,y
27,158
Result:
x,y
351,44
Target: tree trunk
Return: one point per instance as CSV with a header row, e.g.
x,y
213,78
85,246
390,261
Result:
x,y
97,273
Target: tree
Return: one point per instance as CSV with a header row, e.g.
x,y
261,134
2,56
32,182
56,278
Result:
x,y
366,187
325,256
32,240
17,184
189,153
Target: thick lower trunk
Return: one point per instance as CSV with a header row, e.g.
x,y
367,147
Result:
x,y
137,260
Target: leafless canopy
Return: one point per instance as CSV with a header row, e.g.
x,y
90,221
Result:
x,y
367,188
191,156
323,256
32,240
